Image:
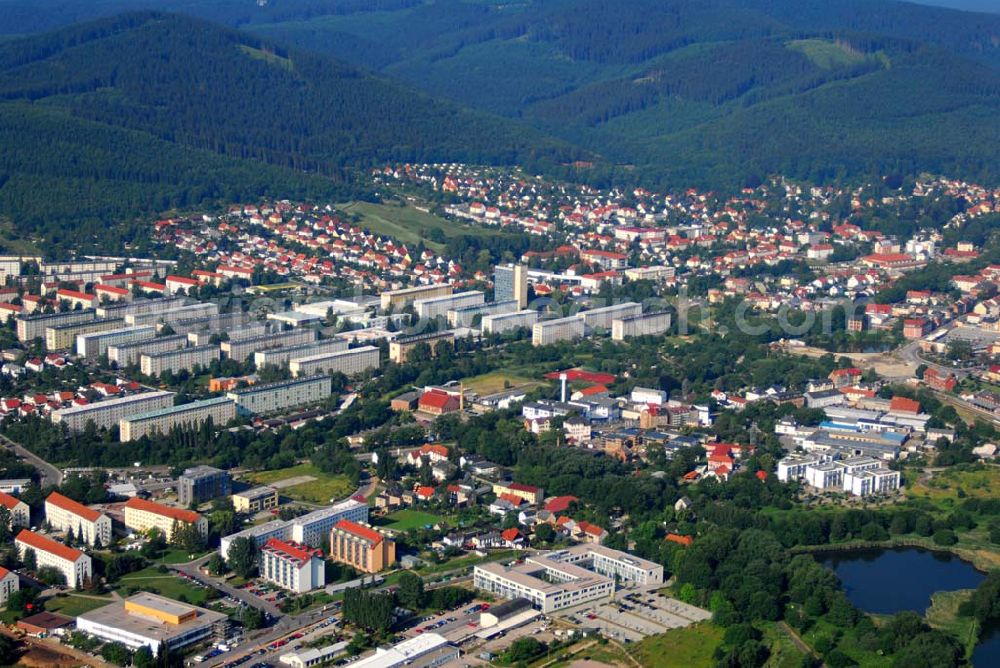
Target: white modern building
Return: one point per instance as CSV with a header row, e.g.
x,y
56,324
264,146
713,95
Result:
x,y
282,394
64,514
134,427
428,650
310,529
127,354
560,329
242,349
348,362
647,324
279,356
466,316
297,568
860,476
95,344
106,414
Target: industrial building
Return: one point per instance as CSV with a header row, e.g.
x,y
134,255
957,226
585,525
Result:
x,y
108,413
435,307
399,298
127,354
400,347
64,514
309,529
142,515
506,322
348,362
75,566
202,483
282,394
648,324
279,356
241,350
91,346
361,546
560,329
297,568
134,427
177,360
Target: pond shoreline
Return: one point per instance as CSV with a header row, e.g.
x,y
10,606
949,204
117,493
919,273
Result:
x,y
968,556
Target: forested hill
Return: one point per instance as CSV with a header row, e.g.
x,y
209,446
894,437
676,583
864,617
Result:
x,y
148,111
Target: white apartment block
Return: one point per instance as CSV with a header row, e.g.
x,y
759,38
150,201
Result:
x,y
428,309
282,394
348,362
242,349
176,313
87,524
127,354
105,414
657,273
404,296
63,337
466,316
140,306
9,583
506,322
31,327
602,317
297,568
825,475
142,515
92,346
561,329
279,356
860,476
870,482
73,564
648,324
181,359
220,409
310,529
20,513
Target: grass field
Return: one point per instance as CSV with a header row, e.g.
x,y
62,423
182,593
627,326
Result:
x,y
690,647
166,584
498,381
73,605
943,614
408,224
825,53
321,490
404,520
954,483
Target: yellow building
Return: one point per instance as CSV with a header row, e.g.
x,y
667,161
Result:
x,y
255,500
142,515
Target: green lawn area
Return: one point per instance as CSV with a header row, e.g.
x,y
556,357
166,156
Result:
x,y
943,487
690,647
73,605
498,381
408,224
321,490
825,53
784,652
943,614
166,584
466,562
175,556
406,519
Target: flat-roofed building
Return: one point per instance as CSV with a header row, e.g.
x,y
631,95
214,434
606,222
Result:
x,y
142,515
348,362
14,485
657,273
33,326
177,360
202,483
128,354
255,500
401,346
92,346
361,546
510,282
64,514
434,307
506,322
20,513
140,306
646,324
108,413
560,329
234,324
427,650
241,350
63,337
185,312
75,566
220,409
282,394
602,317
309,529
466,316
9,583
402,297
279,356
297,568
149,620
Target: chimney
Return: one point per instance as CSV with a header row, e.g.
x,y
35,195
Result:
x,y
562,378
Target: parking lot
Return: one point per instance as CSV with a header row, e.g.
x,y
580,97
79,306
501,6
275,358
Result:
x,y
455,625
265,591
635,615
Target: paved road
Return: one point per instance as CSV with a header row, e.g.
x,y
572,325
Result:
x,y
49,474
910,352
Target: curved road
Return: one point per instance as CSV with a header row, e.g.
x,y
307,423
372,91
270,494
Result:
x,y
48,474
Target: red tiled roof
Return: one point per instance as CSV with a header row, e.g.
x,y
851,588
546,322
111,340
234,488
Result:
x,y
904,404
559,504
68,504
37,542
510,535
359,530
9,501
521,487
298,552
513,499
166,511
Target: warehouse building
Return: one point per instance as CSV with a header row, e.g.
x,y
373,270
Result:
x,y
348,362
92,346
108,413
506,322
282,394
561,329
134,427
177,360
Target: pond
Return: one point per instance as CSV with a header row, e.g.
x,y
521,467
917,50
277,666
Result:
x,y
889,581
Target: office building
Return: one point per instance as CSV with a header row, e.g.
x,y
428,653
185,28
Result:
x,y
348,362
601,318
510,282
397,299
20,513
297,568
282,394
33,326
255,500
142,515
562,579
108,413
92,346
201,310
648,324
91,526
179,359
242,349
466,316
401,346
279,356
128,354
506,322
202,483
560,329
75,566
63,337
309,529
361,546
149,620
221,410
435,307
